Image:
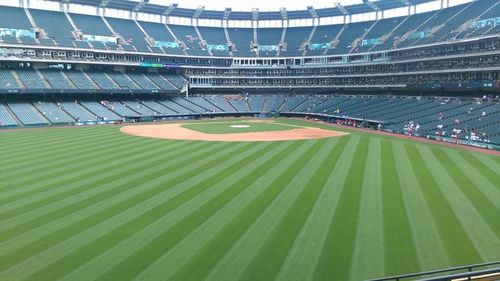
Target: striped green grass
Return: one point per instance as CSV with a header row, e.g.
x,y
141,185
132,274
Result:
x,y
95,204
226,127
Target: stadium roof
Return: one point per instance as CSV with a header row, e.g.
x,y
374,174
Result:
x,y
145,6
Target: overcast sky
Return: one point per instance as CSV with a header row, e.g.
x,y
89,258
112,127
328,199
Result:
x,y
262,5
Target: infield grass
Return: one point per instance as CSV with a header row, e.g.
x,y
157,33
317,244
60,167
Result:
x,y
237,127
95,204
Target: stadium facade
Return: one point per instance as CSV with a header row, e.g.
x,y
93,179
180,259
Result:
x,y
387,62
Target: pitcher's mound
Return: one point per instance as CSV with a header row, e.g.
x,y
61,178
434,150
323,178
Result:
x,y
176,132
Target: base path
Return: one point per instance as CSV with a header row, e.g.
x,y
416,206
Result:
x,y
177,132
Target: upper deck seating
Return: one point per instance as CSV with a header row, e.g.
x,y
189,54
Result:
x,y
381,28
242,38
130,32
350,33
295,37
188,35
56,25
91,25
408,25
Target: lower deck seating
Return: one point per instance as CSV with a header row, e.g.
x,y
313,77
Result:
x,y
53,112
27,114
473,116
6,119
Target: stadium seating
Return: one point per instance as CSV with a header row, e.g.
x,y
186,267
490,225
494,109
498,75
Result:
x,y
120,108
27,114
142,81
295,37
140,108
292,102
6,119
90,25
175,79
32,79
241,38
81,81
102,80
274,103
57,79
130,32
159,107
175,107
188,35
161,81
208,107
220,102
256,103
123,81
100,111
56,25
7,80
77,112
53,112
12,17
239,105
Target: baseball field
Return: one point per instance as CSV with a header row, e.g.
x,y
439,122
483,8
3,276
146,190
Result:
x,y
95,203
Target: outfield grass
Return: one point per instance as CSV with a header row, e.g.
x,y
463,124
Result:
x,y
95,204
226,127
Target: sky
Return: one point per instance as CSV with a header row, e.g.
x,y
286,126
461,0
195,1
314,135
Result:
x,y
248,5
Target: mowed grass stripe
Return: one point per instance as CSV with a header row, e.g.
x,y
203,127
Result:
x,y
104,182
44,147
36,138
82,183
70,151
92,194
72,156
487,209
214,249
210,235
337,254
234,262
64,171
481,167
14,256
301,261
368,260
452,235
138,261
166,265
122,188
399,247
424,231
267,262
37,262
145,235
67,263
482,236
489,189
